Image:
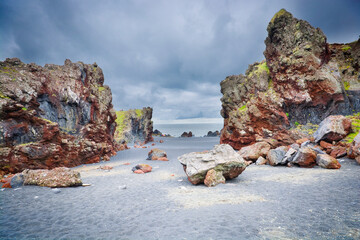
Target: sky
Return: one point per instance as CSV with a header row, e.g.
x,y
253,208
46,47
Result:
x,y
167,54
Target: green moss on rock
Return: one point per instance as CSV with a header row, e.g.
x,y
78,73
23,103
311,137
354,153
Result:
x,y
279,14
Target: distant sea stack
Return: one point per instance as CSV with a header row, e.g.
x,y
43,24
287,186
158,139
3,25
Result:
x,y
54,115
134,125
303,79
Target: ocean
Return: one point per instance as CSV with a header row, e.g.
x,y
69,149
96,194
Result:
x,y
198,129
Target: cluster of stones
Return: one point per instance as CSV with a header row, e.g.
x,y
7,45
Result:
x,y
322,150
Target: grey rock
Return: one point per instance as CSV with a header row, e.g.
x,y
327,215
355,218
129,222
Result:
x,y
221,158
56,190
290,154
17,180
276,156
333,128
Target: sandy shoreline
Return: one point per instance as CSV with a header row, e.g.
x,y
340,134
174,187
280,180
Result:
x,y
262,203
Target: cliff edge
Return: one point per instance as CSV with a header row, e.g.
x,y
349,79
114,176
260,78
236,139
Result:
x,y
54,115
303,79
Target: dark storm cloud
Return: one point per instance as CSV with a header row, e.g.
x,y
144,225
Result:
x,y
170,55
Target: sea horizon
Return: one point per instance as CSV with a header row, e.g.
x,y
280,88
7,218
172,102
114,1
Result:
x,y
198,126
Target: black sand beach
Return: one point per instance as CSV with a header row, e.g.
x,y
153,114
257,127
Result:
x,y
264,202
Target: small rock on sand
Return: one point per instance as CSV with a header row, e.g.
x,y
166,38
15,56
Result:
x,y
157,154
142,168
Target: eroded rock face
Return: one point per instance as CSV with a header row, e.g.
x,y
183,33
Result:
x,y
54,115
303,80
222,159
134,125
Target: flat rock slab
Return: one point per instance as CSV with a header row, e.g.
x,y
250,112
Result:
x,y
57,177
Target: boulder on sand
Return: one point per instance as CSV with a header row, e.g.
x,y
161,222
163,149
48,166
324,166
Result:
x,y
222,159
333,128
254,151
57,177
157,154
305,157
276,156
327,161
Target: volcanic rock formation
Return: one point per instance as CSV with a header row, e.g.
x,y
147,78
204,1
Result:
x,y
54,115
303,80
134,125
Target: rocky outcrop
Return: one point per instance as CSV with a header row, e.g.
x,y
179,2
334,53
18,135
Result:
x,y
212,134
222,159
134,125
186,134
54,115
303,80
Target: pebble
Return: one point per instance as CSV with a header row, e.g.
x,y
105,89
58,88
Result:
x,y
36,197
123,187
56,190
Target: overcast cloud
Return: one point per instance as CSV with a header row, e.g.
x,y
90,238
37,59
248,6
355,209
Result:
x,y
170,55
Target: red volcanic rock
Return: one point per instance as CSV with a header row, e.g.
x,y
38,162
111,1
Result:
x,y
54,115
326,161
326,145
338,152
157,154
305,157
161,141
7,184
6,179
142,168
303,80
213,178
253,152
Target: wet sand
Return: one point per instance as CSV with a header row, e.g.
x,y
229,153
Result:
x,y
264,202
